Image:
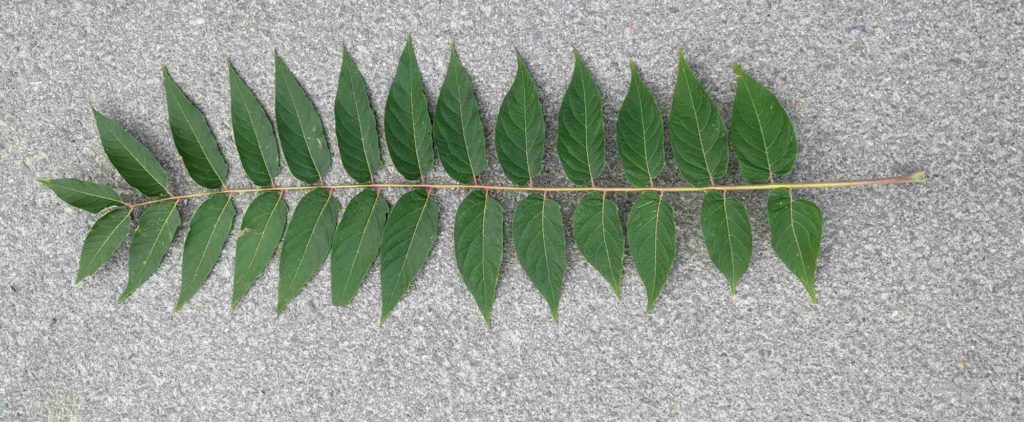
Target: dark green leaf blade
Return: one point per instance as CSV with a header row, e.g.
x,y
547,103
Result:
x,y
262,227
150,244
104,238
254,134
133,161
581,127
406,119
193,137
696,130
88,196
299,126
539,238
356,244
355,123
727,235
598,232
307,242
640,132
458,130
409,236
796,226
519,131
652,242
207,233
480,247
762,134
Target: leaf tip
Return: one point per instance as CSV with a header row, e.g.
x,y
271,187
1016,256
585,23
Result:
x,y
738,70
918,177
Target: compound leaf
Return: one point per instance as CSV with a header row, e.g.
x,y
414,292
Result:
x,y
193,137
539,239
796,227
458,130
299,125
133,161
104,238
409,236
598,232
355,123
479,247
640,132
356,244
727,235
150,244
651,234
406,119
762,134
696,130
307,242
88,196
581,127
207,233
254,134
519,131
262,227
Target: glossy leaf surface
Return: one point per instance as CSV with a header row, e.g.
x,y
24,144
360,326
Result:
x,y
597,229
262,227
356,244
104,238
133,161
193,138
406,119
539,238
796,226
652,242
458,130
696,131
519,131
150,243
480,247
762,134
640,132
253,132
300,128
581,127
307,242
88,196
355,123
727,235
409,236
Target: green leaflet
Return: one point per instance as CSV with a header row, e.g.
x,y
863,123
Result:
x,y
356,244
762,135
519,131
480,247
409,236
150,244
406,119
796,227
581,127
598,232
307,242
727,235
696,131
254,134
104,238
640,132
207,233
651,234
300,128
88,196
539,238
262,227
355,123
133,161
458,130
193,138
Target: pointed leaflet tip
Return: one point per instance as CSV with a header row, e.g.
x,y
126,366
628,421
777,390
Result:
x,y
736,68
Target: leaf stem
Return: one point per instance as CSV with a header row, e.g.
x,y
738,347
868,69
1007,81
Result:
x,y
916,177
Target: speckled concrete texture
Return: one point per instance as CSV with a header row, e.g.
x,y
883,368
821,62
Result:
x,y
922,298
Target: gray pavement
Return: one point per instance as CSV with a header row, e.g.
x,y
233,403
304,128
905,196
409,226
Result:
x,y
922,301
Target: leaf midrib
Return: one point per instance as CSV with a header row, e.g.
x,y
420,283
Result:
x,y
178,102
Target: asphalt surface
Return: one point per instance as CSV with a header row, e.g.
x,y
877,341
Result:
x,y
921,295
